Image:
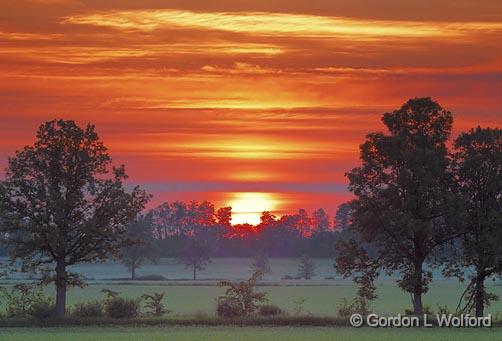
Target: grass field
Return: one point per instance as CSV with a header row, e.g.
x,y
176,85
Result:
x,y
321,296
319,300
189,299
246,333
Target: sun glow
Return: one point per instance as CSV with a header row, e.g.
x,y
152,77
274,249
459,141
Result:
x,y
248,206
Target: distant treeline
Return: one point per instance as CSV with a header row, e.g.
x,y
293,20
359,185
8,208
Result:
x,y
172,225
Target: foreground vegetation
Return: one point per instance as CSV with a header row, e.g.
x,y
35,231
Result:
x,y
189,300
246,333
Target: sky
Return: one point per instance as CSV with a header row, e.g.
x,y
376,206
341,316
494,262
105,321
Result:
x,y
261,104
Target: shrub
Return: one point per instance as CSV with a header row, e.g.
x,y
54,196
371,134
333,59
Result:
x,y
119,307
359,305
442,309
270,310
42,308
154,304
89,309
241,298
299,307
19,300
229,307
345,309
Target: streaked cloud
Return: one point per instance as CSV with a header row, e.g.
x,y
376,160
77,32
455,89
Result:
x,y
262,23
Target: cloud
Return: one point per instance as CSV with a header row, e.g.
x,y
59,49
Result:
x,y
278,24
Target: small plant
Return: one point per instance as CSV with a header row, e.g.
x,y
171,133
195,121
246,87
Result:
x,y
270,310
345,309
359,305
443,309
240,298
299,307
89,309
154,304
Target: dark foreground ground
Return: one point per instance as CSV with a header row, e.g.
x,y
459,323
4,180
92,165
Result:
x,y
201,333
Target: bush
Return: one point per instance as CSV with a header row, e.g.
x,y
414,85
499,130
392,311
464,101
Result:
x,y
19,300
358,305
240,298
270,310
118,307
42,308
229,307
154,304
345,309
89,309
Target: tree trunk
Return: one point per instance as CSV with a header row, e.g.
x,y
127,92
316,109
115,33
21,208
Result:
x,y
479,295
60,289
417,304
194,272
133,271
417,292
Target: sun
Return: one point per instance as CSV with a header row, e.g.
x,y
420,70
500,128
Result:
x,y
248,206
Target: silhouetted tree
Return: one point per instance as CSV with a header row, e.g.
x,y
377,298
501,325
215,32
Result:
x,y
143,248
306,267
304,223
195,256
478,169
342,217
403,191
61,204
320,221
261,263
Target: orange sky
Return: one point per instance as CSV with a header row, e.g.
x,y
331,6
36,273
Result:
x,y
258,104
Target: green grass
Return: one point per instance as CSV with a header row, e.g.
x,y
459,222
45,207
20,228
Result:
x,y
246,333
319,300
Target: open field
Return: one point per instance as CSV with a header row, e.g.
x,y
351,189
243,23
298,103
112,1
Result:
x,y
219,268
186,297
246,333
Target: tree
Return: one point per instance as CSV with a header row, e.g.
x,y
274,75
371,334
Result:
x,y
478,170
342,217
261,263
62,203
304,223
144,247
404,193
320,221
195,255
306,267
